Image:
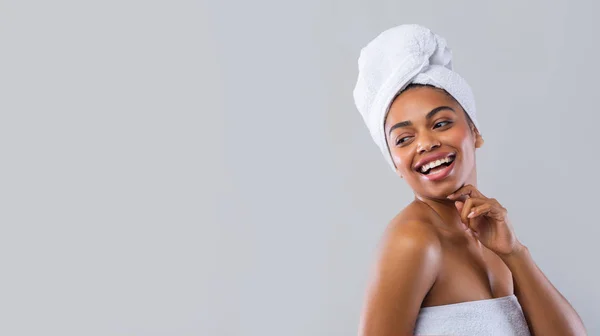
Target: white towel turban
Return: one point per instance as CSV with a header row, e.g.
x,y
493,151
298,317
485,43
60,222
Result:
x,y
396,58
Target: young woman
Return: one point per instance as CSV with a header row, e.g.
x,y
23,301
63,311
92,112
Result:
x,y
449,262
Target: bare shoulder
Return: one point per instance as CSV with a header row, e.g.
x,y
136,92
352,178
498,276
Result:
x,y
407,267
410,246
411,228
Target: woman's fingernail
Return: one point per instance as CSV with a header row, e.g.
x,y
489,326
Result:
x,y
471,214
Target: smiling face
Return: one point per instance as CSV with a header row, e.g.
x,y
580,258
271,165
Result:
x,y
432,142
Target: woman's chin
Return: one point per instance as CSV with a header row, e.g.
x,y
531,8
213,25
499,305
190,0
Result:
x,y
441,191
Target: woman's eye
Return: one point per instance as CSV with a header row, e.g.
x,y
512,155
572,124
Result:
x,y
402,140
442,123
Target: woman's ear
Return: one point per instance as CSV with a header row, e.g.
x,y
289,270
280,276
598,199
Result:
x,y
478,138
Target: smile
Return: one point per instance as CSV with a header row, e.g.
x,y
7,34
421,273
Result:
x,y
438,169
437,165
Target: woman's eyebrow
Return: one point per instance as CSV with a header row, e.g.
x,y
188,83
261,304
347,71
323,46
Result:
x,y
428,116
438,109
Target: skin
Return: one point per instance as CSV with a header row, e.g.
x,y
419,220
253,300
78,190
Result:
x,y
451,244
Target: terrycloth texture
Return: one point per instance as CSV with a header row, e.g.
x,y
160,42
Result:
x,y
397,57
500,316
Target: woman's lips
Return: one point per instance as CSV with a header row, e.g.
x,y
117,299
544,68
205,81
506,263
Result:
x,y
440,174
432,157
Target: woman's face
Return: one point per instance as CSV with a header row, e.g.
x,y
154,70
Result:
x,y
431,142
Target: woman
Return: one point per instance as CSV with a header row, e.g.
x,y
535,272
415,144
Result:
x,y
449,262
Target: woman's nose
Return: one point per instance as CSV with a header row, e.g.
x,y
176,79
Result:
x,y
427,144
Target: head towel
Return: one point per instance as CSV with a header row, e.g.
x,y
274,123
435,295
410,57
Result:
x,y
396,58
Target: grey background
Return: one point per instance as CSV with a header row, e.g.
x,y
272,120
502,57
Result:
x,y
199,168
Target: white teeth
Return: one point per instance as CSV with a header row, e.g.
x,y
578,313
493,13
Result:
x,y
436,163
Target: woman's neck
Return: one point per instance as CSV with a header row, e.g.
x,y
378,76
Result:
x,y
446,209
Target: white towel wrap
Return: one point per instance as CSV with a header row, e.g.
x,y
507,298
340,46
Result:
x,y
499,316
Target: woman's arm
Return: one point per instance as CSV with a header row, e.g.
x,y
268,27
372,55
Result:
x,y
408,264
546,310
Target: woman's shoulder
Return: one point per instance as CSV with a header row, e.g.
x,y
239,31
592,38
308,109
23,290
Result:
x,y
414,219
412,227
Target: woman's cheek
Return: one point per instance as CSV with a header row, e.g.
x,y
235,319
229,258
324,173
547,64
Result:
x,y
402,161
397,157
456,134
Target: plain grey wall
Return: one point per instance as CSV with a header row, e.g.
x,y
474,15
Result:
x,y
199,168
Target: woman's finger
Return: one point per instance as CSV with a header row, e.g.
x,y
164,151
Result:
x,y
459,205
467,208
480,210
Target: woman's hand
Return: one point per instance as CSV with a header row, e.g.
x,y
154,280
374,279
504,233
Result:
x,y
487,219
